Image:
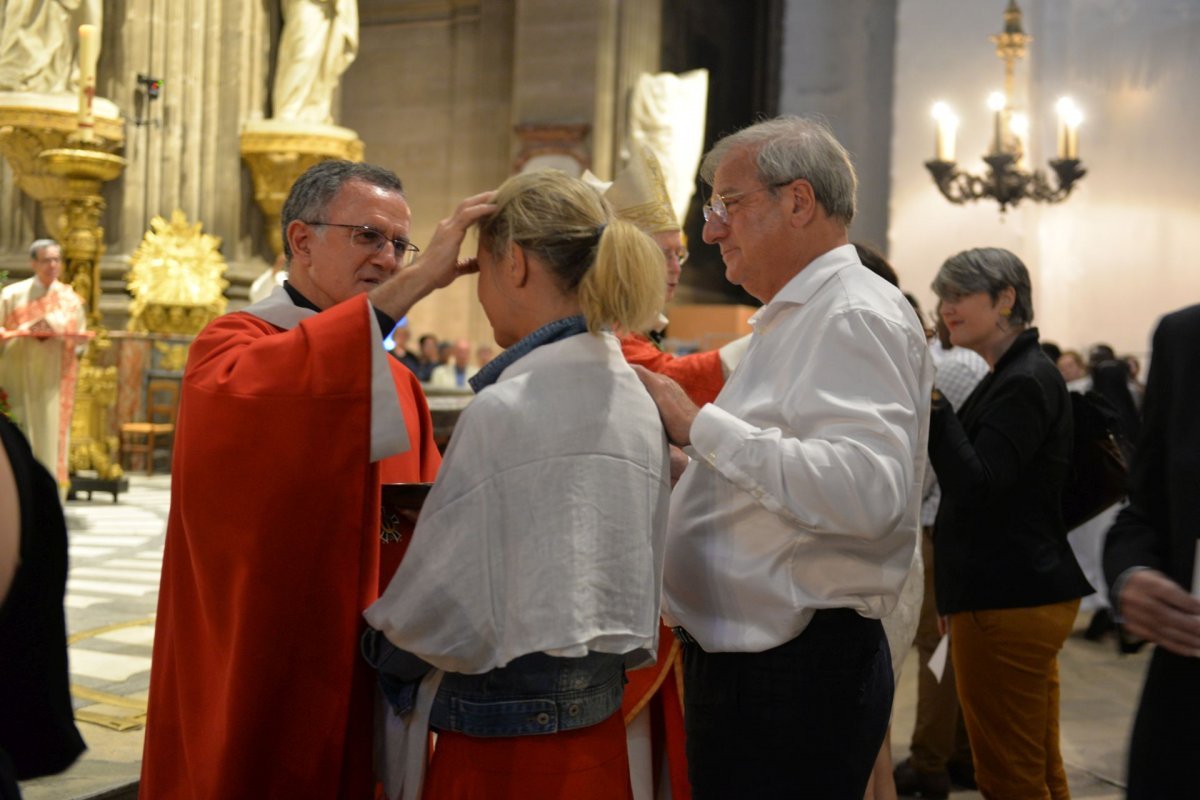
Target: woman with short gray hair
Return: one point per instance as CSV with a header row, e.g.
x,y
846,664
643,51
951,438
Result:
x,y
1007,582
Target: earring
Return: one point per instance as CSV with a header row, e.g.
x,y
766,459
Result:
x,y
1006,312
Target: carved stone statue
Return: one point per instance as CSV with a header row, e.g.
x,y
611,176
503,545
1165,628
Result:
x,y
318,42
39,41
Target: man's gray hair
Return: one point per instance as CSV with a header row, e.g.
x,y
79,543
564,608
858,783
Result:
x,y
787,148
39,245
991,270
313,191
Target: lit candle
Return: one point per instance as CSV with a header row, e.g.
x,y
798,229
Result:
x,y
89,53
1063,107
1069,119
1019,125
945,132
1073,119
996,102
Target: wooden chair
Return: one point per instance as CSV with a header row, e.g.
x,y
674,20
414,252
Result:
x,y
154,436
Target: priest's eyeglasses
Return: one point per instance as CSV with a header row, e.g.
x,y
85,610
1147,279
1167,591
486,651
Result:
x,y
718,205
369,238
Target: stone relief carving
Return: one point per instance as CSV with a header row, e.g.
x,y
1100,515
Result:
x,y
39,43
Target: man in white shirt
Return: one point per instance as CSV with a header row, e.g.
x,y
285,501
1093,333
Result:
x,y
792,531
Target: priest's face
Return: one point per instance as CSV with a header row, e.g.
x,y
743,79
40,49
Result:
x,y
47,264
347,251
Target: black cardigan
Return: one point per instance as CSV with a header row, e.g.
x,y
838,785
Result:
x,y
999,537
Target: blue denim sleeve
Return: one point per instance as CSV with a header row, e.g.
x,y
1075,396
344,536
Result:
x,y
400,672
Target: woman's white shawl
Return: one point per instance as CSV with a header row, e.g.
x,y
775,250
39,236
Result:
x,y
544,531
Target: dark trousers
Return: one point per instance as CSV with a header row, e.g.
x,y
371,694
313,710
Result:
x,y
1166,732
804,719
939,736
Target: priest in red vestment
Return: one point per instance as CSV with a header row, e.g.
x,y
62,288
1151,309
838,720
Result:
x,y
292,415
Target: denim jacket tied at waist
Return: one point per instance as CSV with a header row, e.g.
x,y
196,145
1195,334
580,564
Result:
x,y
533,694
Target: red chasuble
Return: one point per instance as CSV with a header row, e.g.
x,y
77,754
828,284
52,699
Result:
x,y
273,550
661,686
699,374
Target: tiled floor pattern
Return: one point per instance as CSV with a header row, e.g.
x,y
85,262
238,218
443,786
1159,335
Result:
x,y
116,556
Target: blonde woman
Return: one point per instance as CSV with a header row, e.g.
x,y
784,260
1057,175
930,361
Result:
x,y
534,576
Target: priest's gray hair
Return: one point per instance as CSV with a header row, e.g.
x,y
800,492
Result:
x,y
313,191
987,269
787,148
35,249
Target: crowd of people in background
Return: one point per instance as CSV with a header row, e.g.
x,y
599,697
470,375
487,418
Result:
x,y
439,363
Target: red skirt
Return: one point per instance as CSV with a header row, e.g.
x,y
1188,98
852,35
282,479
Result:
x,y
583,764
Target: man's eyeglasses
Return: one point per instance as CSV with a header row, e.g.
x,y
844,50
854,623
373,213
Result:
x,y
718,204
369,238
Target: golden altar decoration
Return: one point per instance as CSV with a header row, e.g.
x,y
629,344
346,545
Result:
x,y
64,171
94,447
62,152
175,277
277,152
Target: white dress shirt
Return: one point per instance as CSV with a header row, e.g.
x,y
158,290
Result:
x,y
805,486
544,531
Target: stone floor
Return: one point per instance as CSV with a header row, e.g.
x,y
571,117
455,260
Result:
x,y
116,555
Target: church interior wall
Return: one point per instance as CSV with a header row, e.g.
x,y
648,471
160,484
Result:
x,y
429,95
837,63
1119,252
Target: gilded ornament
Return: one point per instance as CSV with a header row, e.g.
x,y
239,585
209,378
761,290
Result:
x,y
175,277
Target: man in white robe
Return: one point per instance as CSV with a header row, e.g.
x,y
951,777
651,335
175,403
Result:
x,y
42,322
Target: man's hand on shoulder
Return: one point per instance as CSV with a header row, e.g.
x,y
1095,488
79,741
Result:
x,y
1157,609
674,406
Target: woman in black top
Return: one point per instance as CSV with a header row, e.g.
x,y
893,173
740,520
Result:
x,y
37,727
1006,578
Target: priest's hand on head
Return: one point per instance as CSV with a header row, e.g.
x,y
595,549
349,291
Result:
x,y
440,258
438,265
674,406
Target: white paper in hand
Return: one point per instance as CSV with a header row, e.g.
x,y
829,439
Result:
x,y
937,661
